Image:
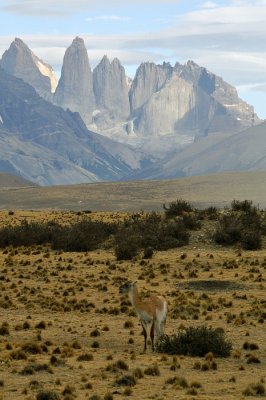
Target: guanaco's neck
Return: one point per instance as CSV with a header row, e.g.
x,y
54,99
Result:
x,y
134,296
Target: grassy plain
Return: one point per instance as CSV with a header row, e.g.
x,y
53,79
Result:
x,y
65,328
202,191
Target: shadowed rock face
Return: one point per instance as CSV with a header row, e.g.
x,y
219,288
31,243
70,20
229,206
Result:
x,y
178,106
75,88
219,90
165,109
48,145
110,87
162,100
21,62
149,79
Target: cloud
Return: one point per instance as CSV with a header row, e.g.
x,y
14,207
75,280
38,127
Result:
x,y
115,18
61,7
257,87
228,40
209,4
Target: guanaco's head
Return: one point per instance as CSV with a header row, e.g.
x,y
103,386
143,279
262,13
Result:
x,y
127,287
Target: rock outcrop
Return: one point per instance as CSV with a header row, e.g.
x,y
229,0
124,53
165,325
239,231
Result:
x,y
111,88
218,89
75,87
48,145
21,62
149,78
186,100
178,107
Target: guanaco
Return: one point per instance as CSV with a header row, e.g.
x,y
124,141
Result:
x,y
151,311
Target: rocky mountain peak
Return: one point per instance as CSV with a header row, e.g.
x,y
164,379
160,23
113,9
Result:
x,y
116,62
105,60
219,90
149,79
21,62
75,88
111,88
78,41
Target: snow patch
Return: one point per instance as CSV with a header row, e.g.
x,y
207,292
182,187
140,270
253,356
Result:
x,y
1,120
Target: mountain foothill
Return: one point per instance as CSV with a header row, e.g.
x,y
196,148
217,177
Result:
x,y
100,125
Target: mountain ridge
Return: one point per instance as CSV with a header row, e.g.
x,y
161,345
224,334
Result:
x,y
168,121
31,123
103,98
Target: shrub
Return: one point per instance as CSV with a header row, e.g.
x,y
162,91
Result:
x,y
126,247
243,224
32,348
47,395
210,212
126,380
84,235
191,221
27,234
4,329
148,231
228,231
85,357
152,370
254,389
245,205
148,252
195,342
178,381
251,239
177,207
30,369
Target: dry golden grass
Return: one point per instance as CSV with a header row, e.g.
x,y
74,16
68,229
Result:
x,y
66,329
203,191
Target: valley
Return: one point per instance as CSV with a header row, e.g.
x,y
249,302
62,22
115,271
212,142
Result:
x,y
67,333
202,191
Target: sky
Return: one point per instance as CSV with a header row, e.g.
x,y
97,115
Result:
x,y
227,37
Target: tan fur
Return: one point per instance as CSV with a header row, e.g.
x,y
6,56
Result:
x,y
151,311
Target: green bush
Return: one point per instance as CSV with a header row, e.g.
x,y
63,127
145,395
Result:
x,y
191,221
210,212
229,230
255,389
47,395
27,234
148,252
84,235
148,231
243,224
251,239
195,342
126,247
245,205
176,208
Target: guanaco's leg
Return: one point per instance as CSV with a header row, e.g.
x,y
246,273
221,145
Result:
x,y
145,336
152,336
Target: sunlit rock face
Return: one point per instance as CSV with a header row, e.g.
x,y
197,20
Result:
x,y
111,88
75,88
149,79
21,62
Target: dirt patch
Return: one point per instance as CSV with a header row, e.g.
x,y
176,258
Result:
x,y
211,285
